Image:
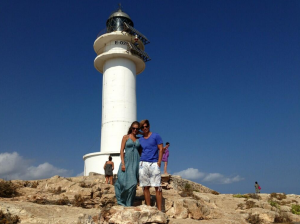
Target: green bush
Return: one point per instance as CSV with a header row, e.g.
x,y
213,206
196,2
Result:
x,y
274,204
295,209
240,196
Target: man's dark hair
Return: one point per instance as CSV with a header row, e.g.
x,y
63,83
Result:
x,y
168,143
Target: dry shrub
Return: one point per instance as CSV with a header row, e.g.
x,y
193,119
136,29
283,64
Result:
x,y
43,201
57,190
254,196
277,196
7,189
105,215
79,201
247,205
284,202
295,201
250,204
96,218
63,201
240,206
33,184
254,219
187,191
282,218
7,218
215,192
84,185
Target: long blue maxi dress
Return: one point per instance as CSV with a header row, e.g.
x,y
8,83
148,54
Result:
x,y
125,186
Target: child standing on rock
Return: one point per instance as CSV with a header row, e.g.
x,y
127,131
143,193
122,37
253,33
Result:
x,y
257,188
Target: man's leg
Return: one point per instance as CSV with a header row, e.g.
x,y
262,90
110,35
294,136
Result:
x,y
158,197
147,195
165,168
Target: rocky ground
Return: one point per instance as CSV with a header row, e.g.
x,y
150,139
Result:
x,y
88,200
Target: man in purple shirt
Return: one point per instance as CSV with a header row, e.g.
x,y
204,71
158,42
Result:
x,y
150,162
166,156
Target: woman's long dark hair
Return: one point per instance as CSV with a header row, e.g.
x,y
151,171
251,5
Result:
x,y
130,129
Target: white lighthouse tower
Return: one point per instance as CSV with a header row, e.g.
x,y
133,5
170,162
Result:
x,y
120,57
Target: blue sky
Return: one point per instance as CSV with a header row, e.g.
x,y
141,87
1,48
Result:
x,y
223,87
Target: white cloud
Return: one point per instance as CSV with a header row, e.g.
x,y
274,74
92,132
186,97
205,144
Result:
x,y
190,173
213,177
233,179
221,179
193,174
13,166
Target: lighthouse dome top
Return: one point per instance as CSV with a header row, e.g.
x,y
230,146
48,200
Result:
x,y
116,21
119,13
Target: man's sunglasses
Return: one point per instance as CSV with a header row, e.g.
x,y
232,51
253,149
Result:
x,y
145,126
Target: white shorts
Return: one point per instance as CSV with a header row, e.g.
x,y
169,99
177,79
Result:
x,y
149,174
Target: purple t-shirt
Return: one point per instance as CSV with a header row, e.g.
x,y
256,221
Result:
x,y
150,149
165,156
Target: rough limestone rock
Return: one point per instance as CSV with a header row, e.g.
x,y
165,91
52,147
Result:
x,y
133,215
88,200
179,184
30,213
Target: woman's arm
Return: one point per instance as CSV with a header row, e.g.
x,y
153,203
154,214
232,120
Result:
x,y
104,165
113,165
125,137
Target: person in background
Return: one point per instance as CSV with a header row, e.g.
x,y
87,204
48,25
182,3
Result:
x,y
166,156
108,168
128,174
150,162
257,188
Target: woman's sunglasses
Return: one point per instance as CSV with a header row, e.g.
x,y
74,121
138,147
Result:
x,y
135,128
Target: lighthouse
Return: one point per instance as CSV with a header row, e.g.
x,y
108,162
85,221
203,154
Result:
x,y
120,58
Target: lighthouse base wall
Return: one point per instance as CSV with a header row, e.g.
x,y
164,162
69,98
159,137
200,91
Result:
x,y
94,162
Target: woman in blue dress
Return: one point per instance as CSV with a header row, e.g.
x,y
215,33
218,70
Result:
x,y
128,174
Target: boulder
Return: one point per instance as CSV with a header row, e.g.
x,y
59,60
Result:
x,y
133,215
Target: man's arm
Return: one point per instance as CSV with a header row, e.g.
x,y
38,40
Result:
x,y
160,148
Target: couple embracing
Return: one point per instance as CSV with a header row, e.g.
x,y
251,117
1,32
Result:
x,y
140,163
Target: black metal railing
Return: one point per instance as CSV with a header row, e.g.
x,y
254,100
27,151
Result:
x,y
136,51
